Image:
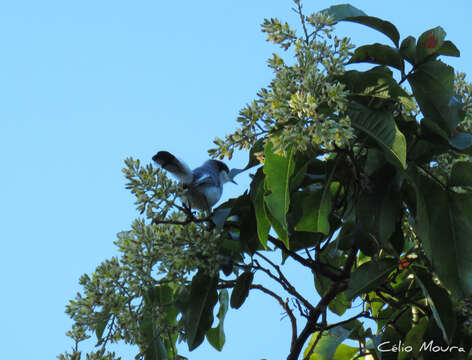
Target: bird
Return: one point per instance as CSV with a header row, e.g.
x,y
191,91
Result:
x,y
204,183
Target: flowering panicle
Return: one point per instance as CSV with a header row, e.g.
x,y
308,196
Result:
x,y
304,106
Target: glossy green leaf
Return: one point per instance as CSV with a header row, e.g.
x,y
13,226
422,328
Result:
x,y
345,352
316,207
440,303
378,210
449,49
429,42
327,345
340,303
380,126
348,12
377,54
241,289
461,174
369,276
309,202
414,339
257,195
197,308
356,329
341,12
278,170
216,336
378,82
444,225
433,86
408,49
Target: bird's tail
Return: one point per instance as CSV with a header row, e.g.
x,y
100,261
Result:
x,y
175,166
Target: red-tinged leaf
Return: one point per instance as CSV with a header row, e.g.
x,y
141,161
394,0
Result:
x,y
431,42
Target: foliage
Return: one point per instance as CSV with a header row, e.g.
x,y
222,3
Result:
x,y
366,183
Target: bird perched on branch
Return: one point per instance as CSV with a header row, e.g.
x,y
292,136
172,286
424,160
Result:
x,y
204,184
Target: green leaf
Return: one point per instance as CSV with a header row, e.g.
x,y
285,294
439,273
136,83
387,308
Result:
x,y
377,81
154,347
444,225
380,126
414,338
197,308
377,54
316,207
348,12
374,161
278,170
449,49
341,12
216,336
433,86
369,276
103,318
378,210
257,195
241,289
440,303
408,49
429,43
344,352
309,202
346,237
163,296
389,214
340,303
326,203
461,174
156,350
327,345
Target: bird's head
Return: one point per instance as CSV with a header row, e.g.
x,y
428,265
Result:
x,y
223,171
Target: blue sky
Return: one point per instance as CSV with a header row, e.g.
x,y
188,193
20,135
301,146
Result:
x,y
87,84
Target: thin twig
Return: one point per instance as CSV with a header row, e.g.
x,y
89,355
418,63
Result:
x,y
362,314
302,19
285,283
284,305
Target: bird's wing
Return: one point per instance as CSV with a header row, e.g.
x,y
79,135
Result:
x,y
203,179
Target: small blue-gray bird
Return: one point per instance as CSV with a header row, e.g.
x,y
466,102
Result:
x,y
204,184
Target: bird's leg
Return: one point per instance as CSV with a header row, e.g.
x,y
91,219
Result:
x,y
188,210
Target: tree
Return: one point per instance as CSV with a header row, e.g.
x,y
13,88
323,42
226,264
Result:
x,y
364,179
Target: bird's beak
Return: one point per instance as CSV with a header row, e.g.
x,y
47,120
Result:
x,y
228,178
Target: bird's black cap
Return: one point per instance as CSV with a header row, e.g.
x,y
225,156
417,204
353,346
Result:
x,y
164,158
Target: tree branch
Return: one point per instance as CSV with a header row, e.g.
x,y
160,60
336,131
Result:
x,y
284,305
333,291
282,280
314,265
